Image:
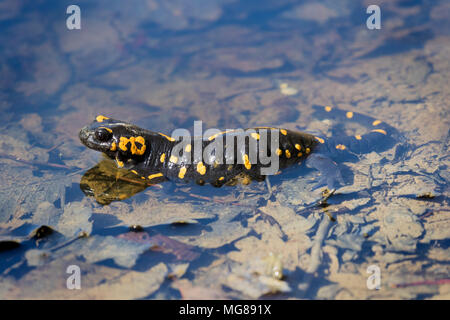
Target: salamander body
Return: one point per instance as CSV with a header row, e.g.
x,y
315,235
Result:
x,y
228,156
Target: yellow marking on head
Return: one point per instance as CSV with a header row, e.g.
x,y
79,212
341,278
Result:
x,y
201,168
308,150
167,137
328,108
247,163
163,157
376,122
123,144
221,178
188,148
100,118
255,135
358,137
173,159
279,152
341,147
155,175
113,146
283,132
134,171
380,131
182,172
107,129
299,154
349,115
320,140
288,154
133,148
298,147
140,151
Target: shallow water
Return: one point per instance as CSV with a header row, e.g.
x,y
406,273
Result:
x,y
164,64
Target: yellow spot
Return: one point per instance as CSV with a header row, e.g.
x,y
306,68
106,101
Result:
x,y
380,131
216,164
218,134
265,128
201,168
230,167
163,157
255,135
341,147
349,114
279,152
143,178
358,137
298,147
156,175
173,159
113,146
283,132
101,118
299,154
288,154
247,163
134,171
188,148
122,196
320,140
221,178
376,122
308,150
167,137
328,108
182,172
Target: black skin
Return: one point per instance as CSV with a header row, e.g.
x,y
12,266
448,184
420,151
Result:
x,y
319,153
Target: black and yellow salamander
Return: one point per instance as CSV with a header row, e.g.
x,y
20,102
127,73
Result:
x,y
155,156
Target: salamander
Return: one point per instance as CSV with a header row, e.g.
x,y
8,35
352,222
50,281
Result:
x,y
155,156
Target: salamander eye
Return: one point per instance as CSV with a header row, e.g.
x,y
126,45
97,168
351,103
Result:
x,y
103,134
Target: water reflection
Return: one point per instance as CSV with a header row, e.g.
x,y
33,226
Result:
x,y
107,183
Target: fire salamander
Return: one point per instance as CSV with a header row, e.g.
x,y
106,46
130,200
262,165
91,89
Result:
x,y
155,157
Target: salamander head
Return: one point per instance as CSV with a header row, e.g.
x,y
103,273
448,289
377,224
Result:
x,y
114,138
